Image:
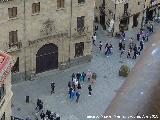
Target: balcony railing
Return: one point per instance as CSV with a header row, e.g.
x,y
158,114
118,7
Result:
x,y
17,44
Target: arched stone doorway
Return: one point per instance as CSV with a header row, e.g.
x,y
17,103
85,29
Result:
x,y
47,58
124,24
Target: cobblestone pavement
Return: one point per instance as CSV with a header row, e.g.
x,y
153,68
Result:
x,y
104,90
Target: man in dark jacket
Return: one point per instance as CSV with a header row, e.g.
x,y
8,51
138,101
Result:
x,y
78,75
48,113
52,87
89,89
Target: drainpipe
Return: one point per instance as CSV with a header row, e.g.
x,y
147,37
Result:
x,y
70,32
143,16
114,19
24,30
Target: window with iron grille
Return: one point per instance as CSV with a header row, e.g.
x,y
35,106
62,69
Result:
x,y
60,4
12,12
36,8
13,38
79,48
81,1
80,24
2,92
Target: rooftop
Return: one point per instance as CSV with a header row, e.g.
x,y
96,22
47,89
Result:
x,y
6,64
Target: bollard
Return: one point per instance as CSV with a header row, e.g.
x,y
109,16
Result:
x,y
27,99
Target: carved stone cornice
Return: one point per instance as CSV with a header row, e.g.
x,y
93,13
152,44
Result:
x,y
44,38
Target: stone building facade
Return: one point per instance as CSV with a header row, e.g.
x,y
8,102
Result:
x,y
151,10
5,86
123,14
46,34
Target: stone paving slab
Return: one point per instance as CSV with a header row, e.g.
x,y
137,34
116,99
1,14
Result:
x,y
107,84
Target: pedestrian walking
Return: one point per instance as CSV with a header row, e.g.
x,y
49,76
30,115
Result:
x,y
70,92
122,50
106,45
138,36
138,50
134,52
94,76
141,45
123,35
39,105
94,39
90,90
107,49
89,75
129,53
84,75
100,45
81,77
79,86
77,95
78,75
110,49
48,113
42,115
73,76
52,87
120,44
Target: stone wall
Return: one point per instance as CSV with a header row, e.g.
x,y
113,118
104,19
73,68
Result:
x,y
51,25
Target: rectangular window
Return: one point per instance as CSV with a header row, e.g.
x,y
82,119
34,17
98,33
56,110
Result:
x,y
79,48
12,12
60,4
36,8
80,24
81,1
13,38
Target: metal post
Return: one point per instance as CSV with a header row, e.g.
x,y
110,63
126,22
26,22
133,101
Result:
x,y
24,12
70,29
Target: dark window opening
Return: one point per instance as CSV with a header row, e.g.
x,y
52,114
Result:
x,y
81,1
80,24
79,48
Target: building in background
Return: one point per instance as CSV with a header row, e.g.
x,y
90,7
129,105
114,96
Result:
x,y
123,15
151,10
100,12
5,86
46,34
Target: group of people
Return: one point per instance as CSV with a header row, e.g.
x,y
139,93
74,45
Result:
x,y
108,47
133,50
48,115
74,85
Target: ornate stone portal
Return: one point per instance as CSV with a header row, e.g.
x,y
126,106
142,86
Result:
x,y
48,28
